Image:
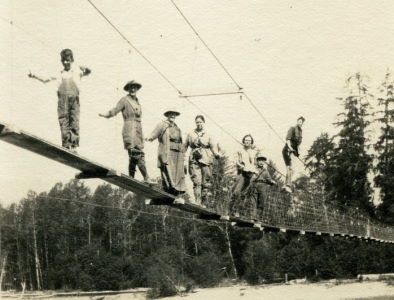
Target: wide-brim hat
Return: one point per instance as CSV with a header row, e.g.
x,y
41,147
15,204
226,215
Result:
x,y
130,84
173,111
261,156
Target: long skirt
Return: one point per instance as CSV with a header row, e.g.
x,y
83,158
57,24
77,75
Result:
x,y
173,174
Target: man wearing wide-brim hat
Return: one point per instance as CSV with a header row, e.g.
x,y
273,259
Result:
x,y
170,153
132,130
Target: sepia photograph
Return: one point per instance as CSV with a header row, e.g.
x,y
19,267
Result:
x,y
182,149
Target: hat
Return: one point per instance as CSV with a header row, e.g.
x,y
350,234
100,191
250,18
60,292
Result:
x,y
301,118
261,156
130,84
172,110
66,53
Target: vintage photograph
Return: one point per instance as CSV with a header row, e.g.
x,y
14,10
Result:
x,y
182,149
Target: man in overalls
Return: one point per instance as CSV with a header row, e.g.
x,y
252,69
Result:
x,y
68,98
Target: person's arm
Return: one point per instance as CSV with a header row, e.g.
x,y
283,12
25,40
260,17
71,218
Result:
x,y
156,132
238,161
267,178
113,112
214,149
85,71
289,136
186,144
41,78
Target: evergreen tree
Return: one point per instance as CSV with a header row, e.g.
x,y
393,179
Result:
x,y
318,162
385,149
351,163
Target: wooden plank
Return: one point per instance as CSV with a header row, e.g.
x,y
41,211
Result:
x,y
91,169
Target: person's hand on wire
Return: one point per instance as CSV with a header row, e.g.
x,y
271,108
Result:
x,y
105,115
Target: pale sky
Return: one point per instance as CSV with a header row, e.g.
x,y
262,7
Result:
x,y
291,57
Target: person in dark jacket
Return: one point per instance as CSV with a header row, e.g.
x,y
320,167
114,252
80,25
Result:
x,y
292,148
133,139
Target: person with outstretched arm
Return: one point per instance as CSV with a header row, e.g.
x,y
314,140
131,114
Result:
x,y
133,139
170,153
68,108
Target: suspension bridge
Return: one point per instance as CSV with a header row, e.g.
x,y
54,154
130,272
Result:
x,y
300,213
281,212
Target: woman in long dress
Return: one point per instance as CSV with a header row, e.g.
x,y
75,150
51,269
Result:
x,y
170,154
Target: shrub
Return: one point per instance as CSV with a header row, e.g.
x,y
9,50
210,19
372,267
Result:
x,y
205,270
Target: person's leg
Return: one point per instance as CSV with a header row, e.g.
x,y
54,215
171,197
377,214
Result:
x,y
63,117
133,161
236,193
142,166
195,176
289,175
166,181
287,159
206,183
247,201
74,121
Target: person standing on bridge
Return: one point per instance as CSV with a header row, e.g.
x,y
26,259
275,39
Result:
x,y
170,153
292,148
68,108
200,160
246,169
261,183
133,139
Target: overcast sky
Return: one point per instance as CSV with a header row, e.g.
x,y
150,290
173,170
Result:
x,y
291,57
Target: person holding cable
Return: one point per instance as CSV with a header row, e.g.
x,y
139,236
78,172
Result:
x,y
292,148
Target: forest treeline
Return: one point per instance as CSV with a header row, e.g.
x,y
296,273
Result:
x,y
107,239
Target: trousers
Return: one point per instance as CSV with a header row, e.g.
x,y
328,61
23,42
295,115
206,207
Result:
x,y
201,176
137,158
68,111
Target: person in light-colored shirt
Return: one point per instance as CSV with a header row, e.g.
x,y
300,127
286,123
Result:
x,y
68,98
201,156
246,167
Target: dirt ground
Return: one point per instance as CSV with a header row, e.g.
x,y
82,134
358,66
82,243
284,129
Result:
x,y
303,291
312,291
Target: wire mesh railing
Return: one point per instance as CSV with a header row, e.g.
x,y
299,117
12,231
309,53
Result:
x,y
303,212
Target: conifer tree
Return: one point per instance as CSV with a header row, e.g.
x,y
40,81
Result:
x,y
351,163
384,147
